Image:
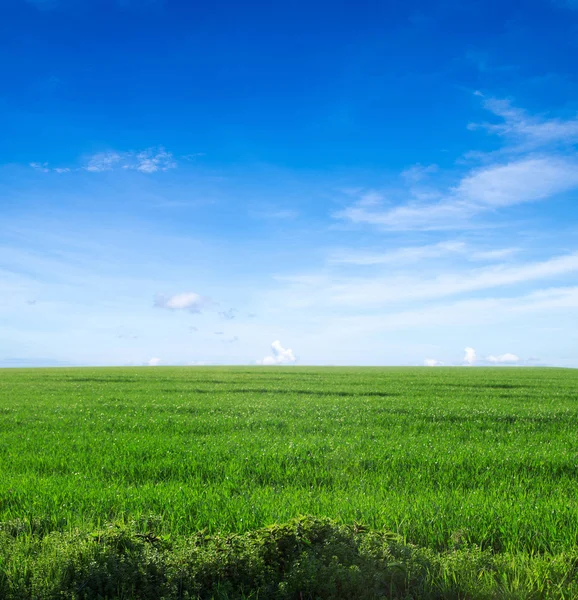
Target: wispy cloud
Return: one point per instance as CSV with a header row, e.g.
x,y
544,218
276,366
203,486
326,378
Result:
x,y
418,172
496,254
538,171
281,214
404,255
46,168
356,292
150,160
154,362
525,132
517,182
503,358
471,359
103,161
414,215
480,191
188,301
42,167
413,254
470,313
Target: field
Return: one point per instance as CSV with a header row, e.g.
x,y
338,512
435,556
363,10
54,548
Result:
x,y
451,460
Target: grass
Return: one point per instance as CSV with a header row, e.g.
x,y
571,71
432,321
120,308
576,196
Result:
x,y
450,460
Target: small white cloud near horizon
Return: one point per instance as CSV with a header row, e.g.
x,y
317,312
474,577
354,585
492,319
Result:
x,y
470,356
189,301
503,358
432,362
280,356
154,362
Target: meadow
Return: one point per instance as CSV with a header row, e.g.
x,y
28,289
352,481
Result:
x,y
461,464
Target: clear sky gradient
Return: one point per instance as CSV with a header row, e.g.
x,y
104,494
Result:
x,y
351,183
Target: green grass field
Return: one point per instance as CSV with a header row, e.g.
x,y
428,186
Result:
x,y
448,458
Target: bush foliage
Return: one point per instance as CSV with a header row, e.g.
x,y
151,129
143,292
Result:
x,y
308,558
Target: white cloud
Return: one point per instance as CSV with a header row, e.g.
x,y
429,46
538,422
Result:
x,y
414,254
276,214
413,215
150,160
479,191
493,254
399,255
103,161
46,168
466,313
189,301
516,182
42,167
280,355
154,362
418,172
526,132
470,359
355,292
470,356
503,358
541,172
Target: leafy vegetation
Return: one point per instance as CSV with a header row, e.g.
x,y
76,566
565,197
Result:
x,y
473,470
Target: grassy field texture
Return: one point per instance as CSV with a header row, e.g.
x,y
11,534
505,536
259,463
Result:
x,y
448,458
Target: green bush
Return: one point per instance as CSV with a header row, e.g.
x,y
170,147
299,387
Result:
x,y
305,559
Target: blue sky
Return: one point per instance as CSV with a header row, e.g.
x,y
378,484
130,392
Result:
x,y
355,183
